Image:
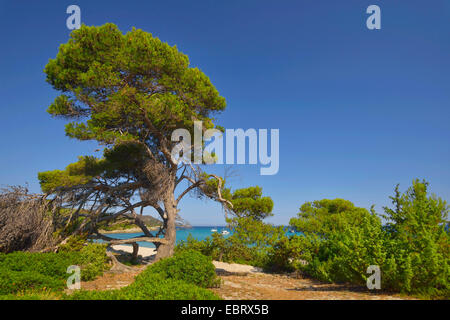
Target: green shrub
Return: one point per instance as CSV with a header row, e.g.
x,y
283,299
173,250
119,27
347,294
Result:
x,y
205,247
50,264
93,261
12,282
179,277
344,256
417,243
190,266
289,253
30,295
340,241
26,271
74,243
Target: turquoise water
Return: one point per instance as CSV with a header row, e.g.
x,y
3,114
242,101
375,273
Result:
x,y
199,233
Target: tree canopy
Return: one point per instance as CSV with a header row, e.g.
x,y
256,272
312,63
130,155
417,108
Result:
x,y
129,92
324,216
128,87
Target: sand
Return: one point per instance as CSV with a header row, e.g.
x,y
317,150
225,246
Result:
x,y
143,251
234,268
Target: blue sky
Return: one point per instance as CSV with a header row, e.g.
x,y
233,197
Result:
x,y
358,110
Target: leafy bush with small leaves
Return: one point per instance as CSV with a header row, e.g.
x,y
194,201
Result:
x,y
19,281
345,255
93,261
21,271
190,266
417,243
289,253
74,243
340,241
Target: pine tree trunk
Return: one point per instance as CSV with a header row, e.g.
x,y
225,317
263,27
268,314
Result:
x,y
166,250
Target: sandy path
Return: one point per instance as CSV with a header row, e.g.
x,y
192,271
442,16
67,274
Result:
x,y
223,268
263,286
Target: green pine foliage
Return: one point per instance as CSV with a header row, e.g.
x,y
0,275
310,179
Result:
x,y
340,241
127,92
249,202
417,243
114,78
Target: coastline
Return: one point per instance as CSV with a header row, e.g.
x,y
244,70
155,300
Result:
x,y
138,230
131,230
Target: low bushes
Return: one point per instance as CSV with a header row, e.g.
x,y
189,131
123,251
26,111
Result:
x,y
289,253
412,249
344,255
417,243
21,271
32,294
92,260
189,266
42,275
182,277
18,281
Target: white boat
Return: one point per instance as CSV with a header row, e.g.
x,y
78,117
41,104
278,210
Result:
x,y
213,230
225,232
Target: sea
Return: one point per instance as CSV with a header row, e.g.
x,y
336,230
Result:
x,y
198,232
